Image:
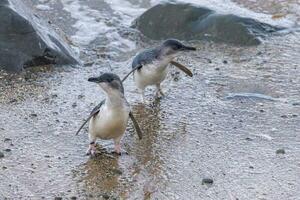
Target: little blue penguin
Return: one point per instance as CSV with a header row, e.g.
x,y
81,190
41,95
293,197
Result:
x,y
150,66
109,119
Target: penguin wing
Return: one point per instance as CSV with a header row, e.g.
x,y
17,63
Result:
x,y
92,114
136,126
125,77
144,58
182,68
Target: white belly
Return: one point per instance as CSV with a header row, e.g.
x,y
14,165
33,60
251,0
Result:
x,y
109,123
151,74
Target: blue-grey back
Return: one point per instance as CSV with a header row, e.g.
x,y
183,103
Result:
x,y
145,57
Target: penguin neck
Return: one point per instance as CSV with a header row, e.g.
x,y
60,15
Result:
x,y
163,55
114,99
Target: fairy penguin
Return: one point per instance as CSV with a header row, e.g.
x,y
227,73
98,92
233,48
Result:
x,y
151,64
109,119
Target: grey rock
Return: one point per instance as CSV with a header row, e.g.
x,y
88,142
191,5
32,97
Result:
x,y
26,40
296,104
190,22
105,196
207,181
280,151
1,155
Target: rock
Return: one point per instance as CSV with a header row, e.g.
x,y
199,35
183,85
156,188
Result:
x,y
57,198
191,22
7,150
280,151
116,171
33,115
73,198
26,40
1,155
296,104
207,181
225,61
105,196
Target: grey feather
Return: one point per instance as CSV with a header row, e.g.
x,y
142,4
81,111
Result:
x,y
145,57
92,114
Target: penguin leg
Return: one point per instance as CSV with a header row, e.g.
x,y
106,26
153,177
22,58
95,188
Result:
x,y
142,92
159,90
92,147
118,149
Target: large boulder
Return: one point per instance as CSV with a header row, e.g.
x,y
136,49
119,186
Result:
x,y
25,40
190,22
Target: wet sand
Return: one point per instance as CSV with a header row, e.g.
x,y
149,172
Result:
x,y
194,132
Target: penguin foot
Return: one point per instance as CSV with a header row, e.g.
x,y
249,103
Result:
x,y
159,93
91,150
118,150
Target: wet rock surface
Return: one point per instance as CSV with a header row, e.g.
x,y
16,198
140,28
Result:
x,y
26,41
191,133
191,22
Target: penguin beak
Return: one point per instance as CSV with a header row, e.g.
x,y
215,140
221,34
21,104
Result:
x,y
187,48
95,80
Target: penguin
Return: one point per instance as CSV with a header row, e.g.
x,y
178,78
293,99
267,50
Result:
x,y
150,67
109,119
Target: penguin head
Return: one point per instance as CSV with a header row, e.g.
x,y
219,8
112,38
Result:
x,y
173,46
109,82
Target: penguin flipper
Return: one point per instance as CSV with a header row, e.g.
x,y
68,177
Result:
x,y
136,126
92,114
182,68
135,68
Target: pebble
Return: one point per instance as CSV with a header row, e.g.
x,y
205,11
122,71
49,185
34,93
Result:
x,y
7,150
105,196
296,104
280,151
80,96
57,198
1,155
7,139
207,181
33,115
217,68
13,101
88,64
116,171
225,61
73,198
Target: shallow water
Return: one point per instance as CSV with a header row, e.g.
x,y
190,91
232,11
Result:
x,y
192,133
